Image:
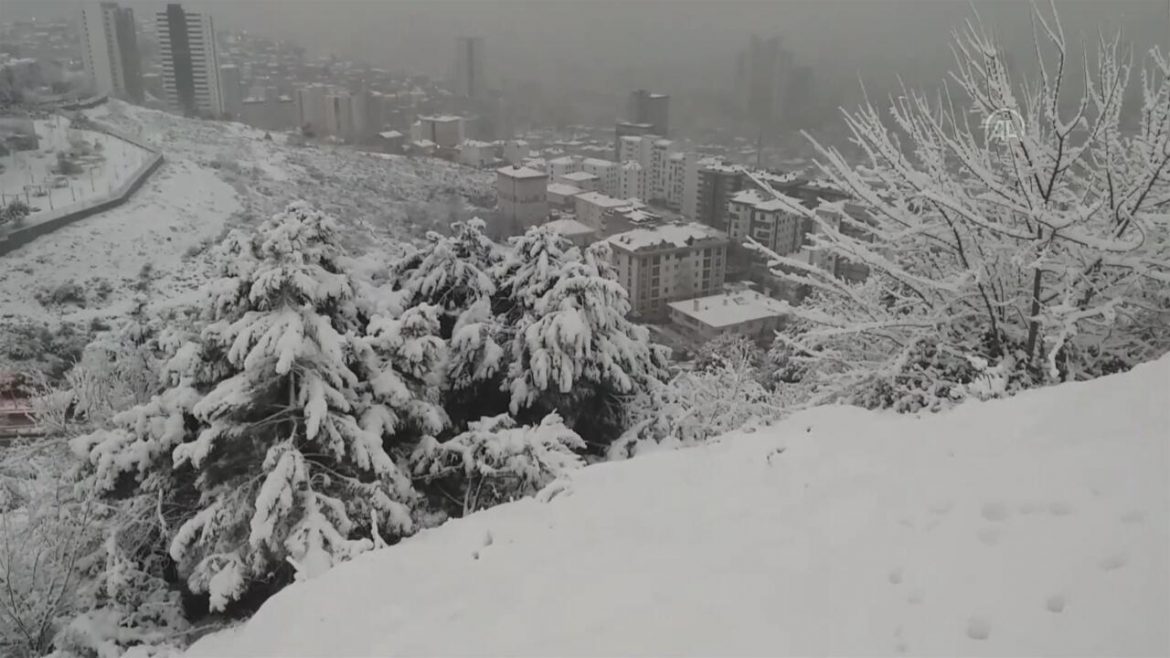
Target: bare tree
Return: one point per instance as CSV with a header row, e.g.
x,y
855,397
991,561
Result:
x,y
1011,229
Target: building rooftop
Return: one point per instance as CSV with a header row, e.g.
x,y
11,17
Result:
x,y
563,189
730,309
579,176
441,118
390,134
599,199
515,171
597,162
669,236
570,227
564,159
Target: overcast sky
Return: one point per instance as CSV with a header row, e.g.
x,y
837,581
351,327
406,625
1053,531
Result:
x,y
676,44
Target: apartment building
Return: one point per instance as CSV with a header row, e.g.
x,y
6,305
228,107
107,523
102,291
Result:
x,y
746,313
664,264
521,199
190,61
109,50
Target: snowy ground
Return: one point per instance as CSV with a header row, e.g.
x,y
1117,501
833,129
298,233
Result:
x,y
218,176
103,171
1031,526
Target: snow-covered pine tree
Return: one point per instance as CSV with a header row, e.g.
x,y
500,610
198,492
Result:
x,y
1014,234
452,272
573,350
275,428
534,262
456,274
495,461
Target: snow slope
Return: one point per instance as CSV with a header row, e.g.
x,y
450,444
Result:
x,y
218,176
1031,526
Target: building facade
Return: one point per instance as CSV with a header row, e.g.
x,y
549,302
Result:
x,y
652,109
746,313
469,80
190,62
109,50
232,89
521,199
717,183
664,264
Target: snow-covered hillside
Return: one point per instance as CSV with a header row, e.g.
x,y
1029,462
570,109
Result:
x,y
218,176
1038,525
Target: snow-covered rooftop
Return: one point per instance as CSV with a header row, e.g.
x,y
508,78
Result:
x,y
441,118
390,134
563,189
597,162
579,176
669,236
570,227
562,160
599,199
521,172
730,309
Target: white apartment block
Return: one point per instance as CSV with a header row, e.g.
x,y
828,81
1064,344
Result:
x,y
746,313
109,50
446,131
607,172
339,115
521,199
664,264
565,164
310,107
591,208
632,181
659,169
583,180
190,61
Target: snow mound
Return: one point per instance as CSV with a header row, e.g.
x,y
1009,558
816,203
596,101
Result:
x,y
1031,526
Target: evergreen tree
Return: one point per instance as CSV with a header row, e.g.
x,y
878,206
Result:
x,y
279,429
574,351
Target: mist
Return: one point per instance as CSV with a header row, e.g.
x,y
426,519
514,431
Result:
x,y
679,47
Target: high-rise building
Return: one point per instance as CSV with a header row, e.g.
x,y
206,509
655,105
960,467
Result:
x,y
231,88
716,185
339,114
109,41
310,108
190,62
469,80
762,80
650,108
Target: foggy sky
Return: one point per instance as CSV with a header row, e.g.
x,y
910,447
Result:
x,y
668,45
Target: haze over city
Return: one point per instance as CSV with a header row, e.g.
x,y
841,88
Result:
x,y
584,328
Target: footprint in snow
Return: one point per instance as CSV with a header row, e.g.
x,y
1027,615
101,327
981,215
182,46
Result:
x,y
1113,561
895,576
978,628
1055,603
995,511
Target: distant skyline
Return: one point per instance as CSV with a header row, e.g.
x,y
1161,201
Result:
x,y
677,46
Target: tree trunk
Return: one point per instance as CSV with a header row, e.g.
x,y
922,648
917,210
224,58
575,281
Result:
x,y
1034,321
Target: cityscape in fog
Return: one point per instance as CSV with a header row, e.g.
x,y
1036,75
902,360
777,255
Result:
x,y
584,327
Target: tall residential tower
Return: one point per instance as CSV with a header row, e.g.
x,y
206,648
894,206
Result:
x,y
190,63
109,48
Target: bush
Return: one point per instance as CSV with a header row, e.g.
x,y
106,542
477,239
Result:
x,y
66,166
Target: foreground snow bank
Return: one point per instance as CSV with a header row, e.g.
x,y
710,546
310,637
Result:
x,y
1036,525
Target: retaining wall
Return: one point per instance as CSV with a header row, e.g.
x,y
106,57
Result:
x,y
47,223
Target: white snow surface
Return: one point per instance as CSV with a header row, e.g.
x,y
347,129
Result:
x,y
1031,526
